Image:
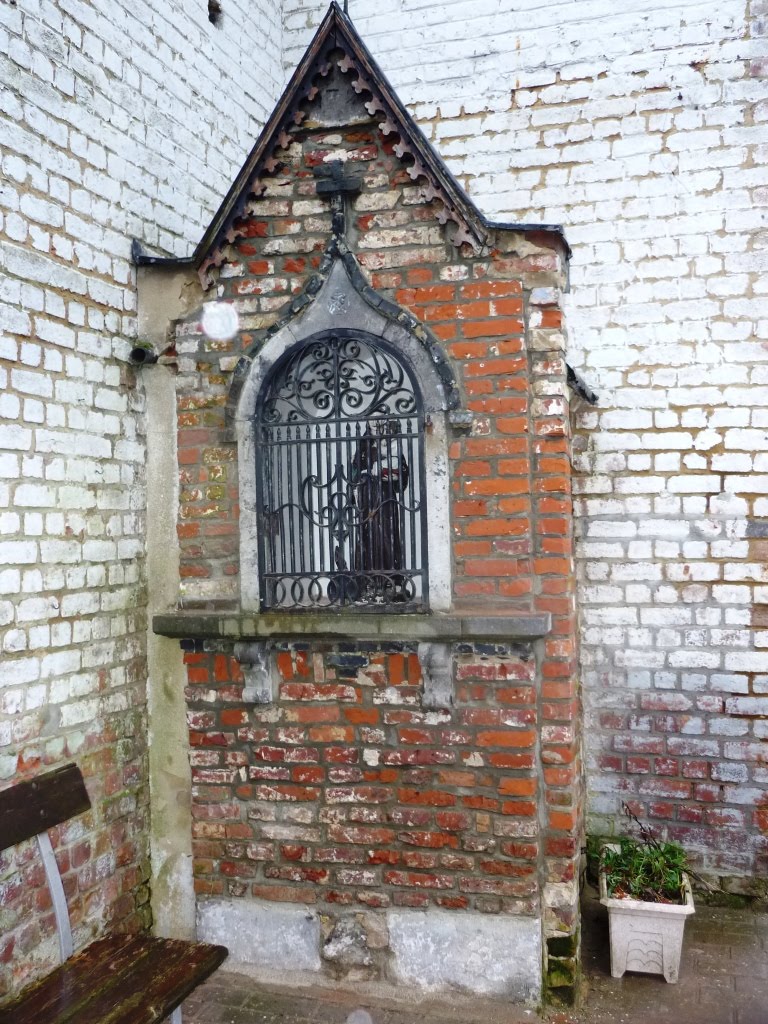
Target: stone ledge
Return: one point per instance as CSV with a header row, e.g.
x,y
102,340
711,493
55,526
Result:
x,y
354,627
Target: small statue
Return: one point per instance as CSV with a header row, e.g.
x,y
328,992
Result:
x,y
379,475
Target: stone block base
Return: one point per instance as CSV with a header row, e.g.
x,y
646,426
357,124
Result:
x,y
493,956
431,951
269,936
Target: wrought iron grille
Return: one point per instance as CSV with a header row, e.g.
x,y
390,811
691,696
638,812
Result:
x,y
341,488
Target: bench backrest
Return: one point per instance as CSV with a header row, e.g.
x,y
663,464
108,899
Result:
x,y
29,809
34,806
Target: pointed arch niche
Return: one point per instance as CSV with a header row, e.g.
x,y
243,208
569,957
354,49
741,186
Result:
x,y
285,562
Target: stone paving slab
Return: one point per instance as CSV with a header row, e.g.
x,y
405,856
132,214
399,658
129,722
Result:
x,y
723,980
236,999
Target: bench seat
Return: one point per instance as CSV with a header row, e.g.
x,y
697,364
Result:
x,y
117,980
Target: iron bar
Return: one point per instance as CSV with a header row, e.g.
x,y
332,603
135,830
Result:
x,y
340,461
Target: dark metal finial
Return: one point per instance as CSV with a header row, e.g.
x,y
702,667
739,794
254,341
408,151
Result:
x,y
346,6
335,181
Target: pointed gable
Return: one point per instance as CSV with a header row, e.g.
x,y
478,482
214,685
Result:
x,y
338,49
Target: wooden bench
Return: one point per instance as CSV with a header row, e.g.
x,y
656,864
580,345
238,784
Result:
x,y
122,979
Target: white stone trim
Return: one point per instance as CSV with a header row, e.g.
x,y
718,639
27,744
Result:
x,y
357,314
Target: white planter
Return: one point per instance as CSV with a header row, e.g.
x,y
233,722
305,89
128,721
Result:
x,y
646,936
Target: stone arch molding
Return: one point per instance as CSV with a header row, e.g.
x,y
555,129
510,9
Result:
x,y
336,301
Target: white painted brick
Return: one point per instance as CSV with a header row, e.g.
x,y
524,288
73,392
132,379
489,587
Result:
x,y
64,263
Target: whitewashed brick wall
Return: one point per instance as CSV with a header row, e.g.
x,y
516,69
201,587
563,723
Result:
x,y
642,127
117,120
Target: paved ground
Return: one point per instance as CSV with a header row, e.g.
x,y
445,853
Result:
x,y
723,980
723,975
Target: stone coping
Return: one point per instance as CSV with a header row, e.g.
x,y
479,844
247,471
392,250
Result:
x,y
354,627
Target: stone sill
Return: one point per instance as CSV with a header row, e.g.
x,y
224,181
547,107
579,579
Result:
x,y
452,627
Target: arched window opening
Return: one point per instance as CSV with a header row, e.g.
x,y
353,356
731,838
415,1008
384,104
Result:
x,y
339,429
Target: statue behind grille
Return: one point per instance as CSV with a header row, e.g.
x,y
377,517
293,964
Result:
x,y
340,478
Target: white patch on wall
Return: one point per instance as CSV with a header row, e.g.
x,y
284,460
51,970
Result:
x,y
493,956
271,936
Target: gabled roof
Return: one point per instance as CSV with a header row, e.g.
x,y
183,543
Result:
x,y
337,33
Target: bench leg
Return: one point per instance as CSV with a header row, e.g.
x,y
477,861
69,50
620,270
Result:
x,y
175,1017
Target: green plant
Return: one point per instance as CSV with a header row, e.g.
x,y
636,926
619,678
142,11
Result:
x,y
645,869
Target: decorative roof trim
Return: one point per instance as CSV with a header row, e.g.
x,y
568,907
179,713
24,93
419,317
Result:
x,y
338,32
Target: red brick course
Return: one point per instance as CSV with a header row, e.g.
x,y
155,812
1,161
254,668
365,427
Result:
x,y
389,797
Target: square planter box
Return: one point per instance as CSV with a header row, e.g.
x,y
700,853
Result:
x,y
646,936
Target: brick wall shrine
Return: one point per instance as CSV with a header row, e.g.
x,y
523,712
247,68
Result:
x,y
382,700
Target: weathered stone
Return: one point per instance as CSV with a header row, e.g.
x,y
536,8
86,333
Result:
x,y
273,935
470,952
377,934
436,662
444,628
257,669
347,944
563,945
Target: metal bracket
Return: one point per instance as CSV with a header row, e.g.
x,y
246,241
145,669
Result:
x,y
437,676
461,420
59,900
256,662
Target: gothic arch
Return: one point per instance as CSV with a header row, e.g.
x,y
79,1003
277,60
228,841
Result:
x,y
335,302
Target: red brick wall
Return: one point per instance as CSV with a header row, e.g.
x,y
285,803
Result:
x,y
473,305
346,790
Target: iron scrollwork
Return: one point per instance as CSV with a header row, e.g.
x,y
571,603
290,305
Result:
x,y
340,450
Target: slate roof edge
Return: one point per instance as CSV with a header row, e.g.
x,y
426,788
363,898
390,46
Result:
x,y
141,258
578,385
